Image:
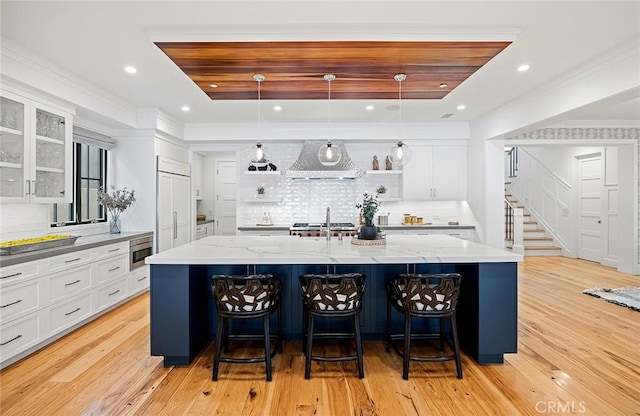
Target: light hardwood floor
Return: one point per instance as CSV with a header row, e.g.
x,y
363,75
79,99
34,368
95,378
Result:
x,y
576,354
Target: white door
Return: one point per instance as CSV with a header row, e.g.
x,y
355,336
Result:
x,y
589,208
225,203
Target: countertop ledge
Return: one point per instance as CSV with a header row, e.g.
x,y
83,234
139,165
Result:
x,y
82,243
278,227
400,249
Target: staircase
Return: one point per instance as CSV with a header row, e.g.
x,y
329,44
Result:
x,y
535,241
534,238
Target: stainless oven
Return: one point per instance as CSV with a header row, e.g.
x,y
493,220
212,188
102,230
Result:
x,y
139,249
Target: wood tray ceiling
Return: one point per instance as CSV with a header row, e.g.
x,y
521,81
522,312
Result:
x,y
295,70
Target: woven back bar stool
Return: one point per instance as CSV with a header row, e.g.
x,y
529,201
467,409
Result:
x,y
246,297
331,296
424,296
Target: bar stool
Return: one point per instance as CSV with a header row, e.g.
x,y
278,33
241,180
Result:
x,y
246,297
424,296
331,296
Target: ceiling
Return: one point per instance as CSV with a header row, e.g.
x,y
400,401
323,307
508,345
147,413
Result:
x,y
362,70
92,41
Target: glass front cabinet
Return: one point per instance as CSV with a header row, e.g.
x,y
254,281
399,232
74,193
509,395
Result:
x,y
35,151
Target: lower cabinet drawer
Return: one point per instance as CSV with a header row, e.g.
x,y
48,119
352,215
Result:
x,y
108,270
19,335
65,314
111,294
20,299
13,274
138,280
66,284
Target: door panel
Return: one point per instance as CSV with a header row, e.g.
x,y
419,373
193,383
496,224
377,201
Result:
x,y
589,208
226,184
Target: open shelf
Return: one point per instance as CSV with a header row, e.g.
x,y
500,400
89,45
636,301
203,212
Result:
x,y
262,172
264,200
384,172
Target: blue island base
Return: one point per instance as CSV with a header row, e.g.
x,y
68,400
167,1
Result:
x,y
183,314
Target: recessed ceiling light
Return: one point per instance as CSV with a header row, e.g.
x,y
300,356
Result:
x,y
213,85
277,108
461,107
370,107
523,67
130,69
444,85
185,108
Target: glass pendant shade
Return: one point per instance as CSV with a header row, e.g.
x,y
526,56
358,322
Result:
x,y
400,154
329,155
260,155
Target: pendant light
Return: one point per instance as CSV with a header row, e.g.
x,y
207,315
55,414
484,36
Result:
x,y
260,155
400,152
329,155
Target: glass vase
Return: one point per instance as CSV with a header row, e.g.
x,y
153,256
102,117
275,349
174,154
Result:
x,y
114,225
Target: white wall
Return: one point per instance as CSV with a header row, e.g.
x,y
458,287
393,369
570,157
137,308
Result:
x,y
134,164
627,140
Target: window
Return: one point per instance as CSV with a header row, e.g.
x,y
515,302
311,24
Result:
x,y
89,175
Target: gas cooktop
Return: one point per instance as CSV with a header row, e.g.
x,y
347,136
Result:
x,y
318,225
318,229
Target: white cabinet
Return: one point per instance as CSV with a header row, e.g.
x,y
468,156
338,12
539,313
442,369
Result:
x,y
35,151
462,233
204,230
198,177
40,301
173,204
138,280
436,173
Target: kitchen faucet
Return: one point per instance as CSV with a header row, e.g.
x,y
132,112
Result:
x,y
328,223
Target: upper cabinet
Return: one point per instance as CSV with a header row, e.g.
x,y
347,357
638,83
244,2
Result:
x,y
35,151
436,173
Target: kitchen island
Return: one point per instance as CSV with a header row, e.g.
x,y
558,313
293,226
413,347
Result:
x,y
183,316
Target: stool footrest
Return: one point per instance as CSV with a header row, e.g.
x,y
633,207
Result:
x,y
333,359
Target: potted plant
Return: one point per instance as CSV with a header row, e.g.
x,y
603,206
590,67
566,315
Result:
x,y
368,209
381,190
115,202
260,191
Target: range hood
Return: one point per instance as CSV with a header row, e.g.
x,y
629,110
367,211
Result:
x,y
308,165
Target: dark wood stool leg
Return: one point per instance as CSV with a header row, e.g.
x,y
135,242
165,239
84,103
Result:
x,y
216,357
407,346
356,323
305,324
442,335
456,346
280,329
307,365
226,338
267,345
388,325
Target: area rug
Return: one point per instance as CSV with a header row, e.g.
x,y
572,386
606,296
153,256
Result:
x,y
624,296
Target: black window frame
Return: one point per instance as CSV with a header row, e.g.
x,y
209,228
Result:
x,y
76,204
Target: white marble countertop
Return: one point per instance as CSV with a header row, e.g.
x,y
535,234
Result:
x,y
400,249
